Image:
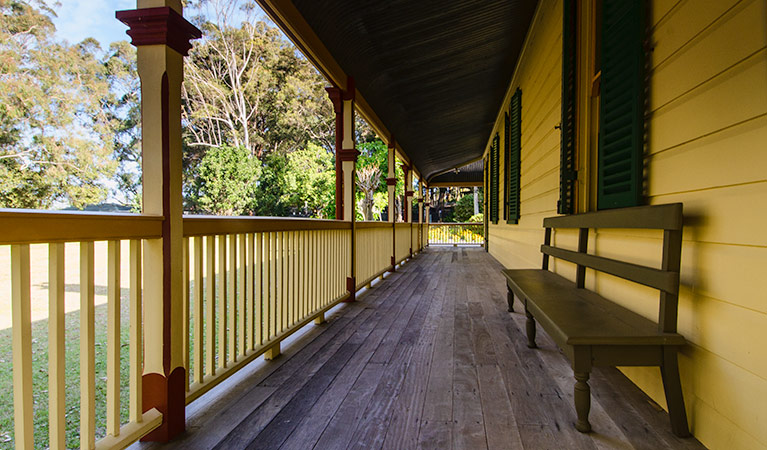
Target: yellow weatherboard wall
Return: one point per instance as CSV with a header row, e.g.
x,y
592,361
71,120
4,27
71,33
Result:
x,y
707,148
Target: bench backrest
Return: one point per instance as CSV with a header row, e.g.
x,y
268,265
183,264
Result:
x,y
661,217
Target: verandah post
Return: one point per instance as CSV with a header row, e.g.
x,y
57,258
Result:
x,y
346,160
409,202
162,36
420,215
427,208
391,183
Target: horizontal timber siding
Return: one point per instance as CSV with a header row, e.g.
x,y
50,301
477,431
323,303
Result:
x,y
706,147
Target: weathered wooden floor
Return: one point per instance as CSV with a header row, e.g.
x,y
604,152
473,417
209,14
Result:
x,y
429,358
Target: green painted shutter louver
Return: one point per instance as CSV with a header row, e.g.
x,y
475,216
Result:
x,y
621,127
494,156
506,151
515,146
568,170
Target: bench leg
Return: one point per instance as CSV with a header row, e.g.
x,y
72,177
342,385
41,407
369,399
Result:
x,y
582,397
530,330
673,387
510,299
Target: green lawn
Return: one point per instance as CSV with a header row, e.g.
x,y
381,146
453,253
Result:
x,y
40,377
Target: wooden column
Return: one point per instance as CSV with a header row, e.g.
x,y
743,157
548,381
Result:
x,y
420,215
391,183
427,219
346,160
163,37
409,203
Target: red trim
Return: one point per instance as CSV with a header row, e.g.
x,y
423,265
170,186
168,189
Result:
x,y
350,91
351,288
335,98
392,142
163,25
409,193
391,181
348,154
168,396
420,200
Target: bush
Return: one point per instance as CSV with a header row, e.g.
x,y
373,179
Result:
x,y
464,207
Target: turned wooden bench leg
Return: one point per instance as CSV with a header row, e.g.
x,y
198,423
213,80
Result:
x,y
673,388
530,330
510,299
582,396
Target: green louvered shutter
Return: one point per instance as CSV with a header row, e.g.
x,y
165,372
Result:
x,y
568,170
515,147
494,161
621,126
506,151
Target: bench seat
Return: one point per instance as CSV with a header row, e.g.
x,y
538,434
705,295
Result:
x,y
575,316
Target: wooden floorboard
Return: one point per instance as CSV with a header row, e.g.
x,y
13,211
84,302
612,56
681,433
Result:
x,y
428,358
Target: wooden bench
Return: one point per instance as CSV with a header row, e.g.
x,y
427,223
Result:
x,y
593,331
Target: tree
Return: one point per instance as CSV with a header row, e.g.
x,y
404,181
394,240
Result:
x,y
310,182
368,181
55,129
227,179
246,86
464,207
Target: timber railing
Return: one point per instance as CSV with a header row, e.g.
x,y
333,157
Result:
x,y
21,229
248,283
456,233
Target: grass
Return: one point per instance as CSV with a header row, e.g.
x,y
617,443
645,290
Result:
x,y
40,377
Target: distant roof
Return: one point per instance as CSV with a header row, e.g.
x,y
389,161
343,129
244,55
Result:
x,y
468,175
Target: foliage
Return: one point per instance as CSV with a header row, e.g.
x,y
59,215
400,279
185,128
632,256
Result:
x,y
226,182
477,218
246,86
55,122
464,207
310,182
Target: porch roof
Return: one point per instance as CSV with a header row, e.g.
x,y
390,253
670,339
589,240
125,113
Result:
x,y
433,74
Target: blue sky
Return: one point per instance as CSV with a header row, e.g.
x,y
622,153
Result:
x,y
79,19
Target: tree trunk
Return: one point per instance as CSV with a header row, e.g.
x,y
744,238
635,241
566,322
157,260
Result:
x,y
476,201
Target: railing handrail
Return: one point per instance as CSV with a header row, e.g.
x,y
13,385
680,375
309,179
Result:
x,y
217,225
24,226
373,224
454,223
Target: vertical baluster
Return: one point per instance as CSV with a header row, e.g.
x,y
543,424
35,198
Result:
x,y
56,347
280,282
231,313
294,277
210,305
113,338
199,293
259,285
222,310
21,316
288,279
285,278
303,274
250,290
87,348
272,313
185,309
241,313
136,346
322,268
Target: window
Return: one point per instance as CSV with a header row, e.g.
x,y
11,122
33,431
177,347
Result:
x,y
494,162
514,147
616,75
621,118
568,172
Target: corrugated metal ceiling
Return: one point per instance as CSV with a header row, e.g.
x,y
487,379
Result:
x,y
435,72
